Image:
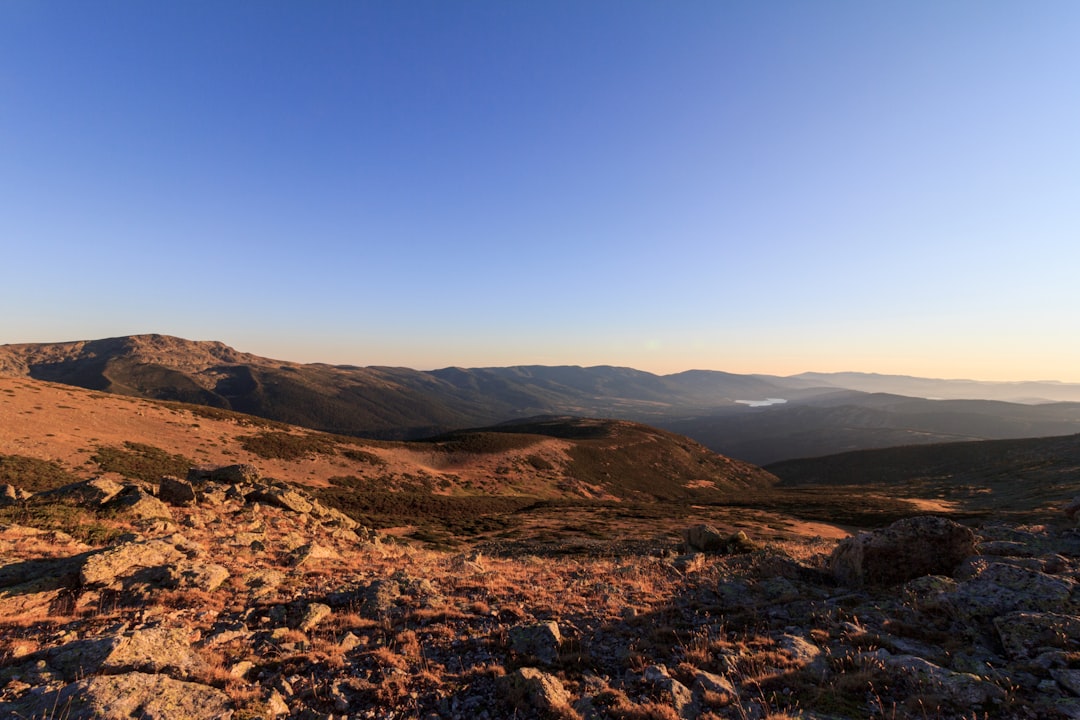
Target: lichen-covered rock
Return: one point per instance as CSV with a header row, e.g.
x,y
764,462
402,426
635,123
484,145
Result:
x,y
90,493
10,495
281,496
134,502
107,567
314,614
540,641
311,552
130,696
999,588
379,598
706,538
536,689
963,689
905,550
1026,634
151,650
196,576
176,492
232,474
670,691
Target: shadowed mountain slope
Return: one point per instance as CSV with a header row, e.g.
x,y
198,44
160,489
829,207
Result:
x,y
1023,474
847,420
400,403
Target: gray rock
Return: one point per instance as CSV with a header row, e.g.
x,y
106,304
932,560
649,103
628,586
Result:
x,y
905,550
671,691
231,474
108,567
961,688
276,705
281,496
311,552
91,493
1027,634
10,495
151,650
710,690
537,689
379,598
1067,678
331,517
195,576
314,614
135,502
131,696
540,641
176,492
1000,588
706,538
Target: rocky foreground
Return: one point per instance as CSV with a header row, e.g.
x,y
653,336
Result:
x,y
228,596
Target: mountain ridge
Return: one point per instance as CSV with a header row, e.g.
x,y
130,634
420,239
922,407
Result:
x,y
401,403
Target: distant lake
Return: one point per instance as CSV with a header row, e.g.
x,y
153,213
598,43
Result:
x,y
762,403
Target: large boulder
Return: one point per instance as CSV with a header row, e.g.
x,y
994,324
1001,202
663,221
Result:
x,y
88,493
706,538
176,492
150,650
108,567
131,696
540,641
905,550
530,687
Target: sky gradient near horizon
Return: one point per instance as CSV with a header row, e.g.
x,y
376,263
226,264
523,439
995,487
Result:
x,y
770,187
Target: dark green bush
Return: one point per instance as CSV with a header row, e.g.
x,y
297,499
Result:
x,y
140,461
33,474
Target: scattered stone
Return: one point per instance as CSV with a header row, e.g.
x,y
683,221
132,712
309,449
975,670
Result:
x,y
196,576
712,690
905,550
540,641
314,614
379,598
999,588
537,689
276,705
11,495
671,691
706,538
311,552
230,474
350,642
89,493
176,492
281,496
135,502
240,669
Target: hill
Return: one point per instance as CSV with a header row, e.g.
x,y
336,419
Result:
x,y
445,489
987,477
808,415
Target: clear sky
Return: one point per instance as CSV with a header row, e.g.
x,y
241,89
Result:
x,y
745,186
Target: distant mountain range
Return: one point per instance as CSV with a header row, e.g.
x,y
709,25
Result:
x,y
810,414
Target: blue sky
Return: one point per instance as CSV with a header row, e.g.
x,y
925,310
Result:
x,y
746,186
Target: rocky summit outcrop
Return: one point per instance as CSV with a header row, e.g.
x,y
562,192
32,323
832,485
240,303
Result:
x,y
252,599
905,550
